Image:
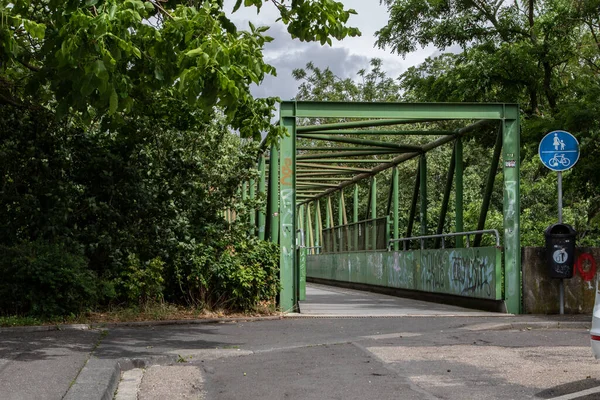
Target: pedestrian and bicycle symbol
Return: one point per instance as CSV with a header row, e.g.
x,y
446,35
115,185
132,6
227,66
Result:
x,y
559,150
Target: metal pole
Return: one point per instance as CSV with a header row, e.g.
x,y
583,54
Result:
x,y
274,195
458,191
262,185
560,200
396,207
561,284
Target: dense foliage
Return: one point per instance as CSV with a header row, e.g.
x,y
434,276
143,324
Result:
x,y
545,55
117,156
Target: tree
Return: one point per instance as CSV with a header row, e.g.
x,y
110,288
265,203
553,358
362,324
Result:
x,y
118,149
107,58
543,55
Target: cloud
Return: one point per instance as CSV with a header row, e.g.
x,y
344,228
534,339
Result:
x,y
287,54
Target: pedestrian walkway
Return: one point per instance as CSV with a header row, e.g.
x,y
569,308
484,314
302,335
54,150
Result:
x,y
331,301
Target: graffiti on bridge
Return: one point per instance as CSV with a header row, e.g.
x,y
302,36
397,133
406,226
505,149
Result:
x,y
465,272
471,273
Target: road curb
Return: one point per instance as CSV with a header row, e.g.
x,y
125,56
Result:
x,y
84,327
531,325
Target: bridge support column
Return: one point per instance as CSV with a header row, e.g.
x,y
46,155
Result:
x,y
512,210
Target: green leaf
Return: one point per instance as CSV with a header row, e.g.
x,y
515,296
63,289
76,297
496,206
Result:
x,y
113,102
37,31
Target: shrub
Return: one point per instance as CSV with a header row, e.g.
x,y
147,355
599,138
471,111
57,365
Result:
x,y
45,279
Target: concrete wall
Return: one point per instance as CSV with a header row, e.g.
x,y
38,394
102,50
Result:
x,y
541,293
472,272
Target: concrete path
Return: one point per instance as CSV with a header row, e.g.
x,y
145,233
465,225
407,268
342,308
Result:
x,y
331,301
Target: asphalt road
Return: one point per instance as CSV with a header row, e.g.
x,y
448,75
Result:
x,y
452,354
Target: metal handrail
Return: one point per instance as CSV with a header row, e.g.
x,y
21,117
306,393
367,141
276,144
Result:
x,y
444,235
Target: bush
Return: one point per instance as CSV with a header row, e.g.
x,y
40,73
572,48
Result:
x,y
234,272
45,279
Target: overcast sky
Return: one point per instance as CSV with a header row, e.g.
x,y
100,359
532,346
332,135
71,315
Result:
x,y
344,58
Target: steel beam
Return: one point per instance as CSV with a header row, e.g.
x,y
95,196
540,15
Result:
x,y
413,204
364,142
318,227
423,193
360,124
396,206
331,167
374,211
273,201
289,274
458,190
262,185
387,132
252,196
489,186
446,198
512,209
394,111
405,157
347,154
343,148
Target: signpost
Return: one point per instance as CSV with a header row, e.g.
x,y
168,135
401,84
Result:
x,y
559,151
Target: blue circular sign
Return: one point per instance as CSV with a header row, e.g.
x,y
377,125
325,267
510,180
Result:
x,y
559,150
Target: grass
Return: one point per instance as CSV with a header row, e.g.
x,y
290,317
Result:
x,y
151,312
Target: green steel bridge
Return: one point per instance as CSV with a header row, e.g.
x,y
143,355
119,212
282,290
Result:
x,y
328,160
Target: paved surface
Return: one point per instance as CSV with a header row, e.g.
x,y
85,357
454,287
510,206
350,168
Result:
x,y
322,300
441,356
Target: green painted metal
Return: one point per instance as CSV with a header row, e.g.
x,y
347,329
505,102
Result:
x,y
302,252
395,206
423,194
318,227
373,205
413,204
388,114
346,154
344,148
313,185
364,142
314,179
244,191
408,156
252,196
391,111
385,132
512,207
303,173
340,208
357,161
288,269
489,186
358,124
471,272
458,191
328,216
331,167
262,189
446,198
273,200
355,214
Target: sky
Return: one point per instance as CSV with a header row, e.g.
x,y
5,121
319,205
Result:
x,y
345,58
